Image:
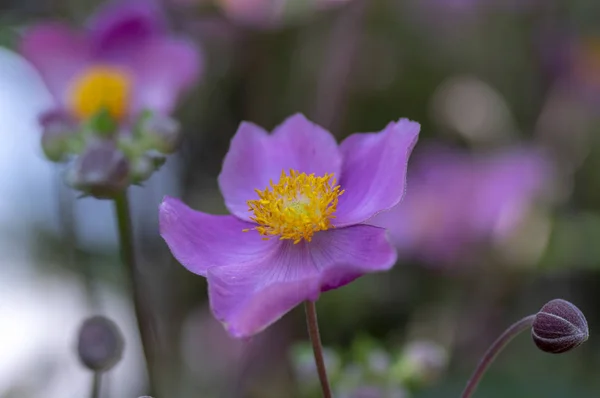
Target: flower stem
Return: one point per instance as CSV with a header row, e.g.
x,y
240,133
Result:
x,y
313,333
142,314
95,393
493,352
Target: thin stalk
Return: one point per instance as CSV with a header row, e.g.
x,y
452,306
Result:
x,y
315,339
493,352
95,393
142,314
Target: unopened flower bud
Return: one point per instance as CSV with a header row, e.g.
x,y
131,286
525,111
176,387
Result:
x,y
559,327
161,132
102,171
57,135
100,344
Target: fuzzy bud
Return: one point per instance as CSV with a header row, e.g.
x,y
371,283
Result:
x,y
162,133
58,136
559,327
102,171
100,344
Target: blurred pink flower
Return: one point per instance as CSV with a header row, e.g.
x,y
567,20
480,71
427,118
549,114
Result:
x,y
294,232
124,62
456,200
114,85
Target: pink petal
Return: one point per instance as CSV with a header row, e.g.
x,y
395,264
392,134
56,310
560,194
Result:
x,y
255,158
245,308
508,183
344,254
374,171
58,53
199,241
119,27
163,69
248,297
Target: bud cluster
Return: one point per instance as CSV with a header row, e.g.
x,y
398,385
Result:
x,y
103,156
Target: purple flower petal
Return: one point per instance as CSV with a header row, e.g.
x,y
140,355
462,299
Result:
x,y
456,200
508,183
248,297
430,222
345,254
58,53
255,158
119,27
163,69
199,241
374,171
245,307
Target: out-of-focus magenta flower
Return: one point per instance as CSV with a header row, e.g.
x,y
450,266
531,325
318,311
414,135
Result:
x,y
119,78
456,200
124,61
294,231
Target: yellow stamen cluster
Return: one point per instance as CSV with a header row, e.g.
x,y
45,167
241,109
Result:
x,y
296,207
100,88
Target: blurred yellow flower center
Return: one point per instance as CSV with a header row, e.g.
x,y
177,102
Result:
x,y
296,207
101,88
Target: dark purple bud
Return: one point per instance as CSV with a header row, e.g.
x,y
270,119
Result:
x,y
559,327
59,135
100,344
102,171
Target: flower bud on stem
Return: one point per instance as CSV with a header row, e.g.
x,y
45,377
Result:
x,y
558,327
100,347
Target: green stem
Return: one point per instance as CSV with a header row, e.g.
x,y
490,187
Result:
x,y
315,338
95,393
142,314
493,352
